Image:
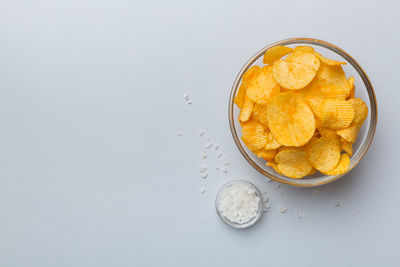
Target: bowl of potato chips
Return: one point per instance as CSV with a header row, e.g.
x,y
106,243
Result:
x,y
302,112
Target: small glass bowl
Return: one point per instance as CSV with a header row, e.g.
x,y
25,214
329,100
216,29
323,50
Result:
x,y
235,224
364,90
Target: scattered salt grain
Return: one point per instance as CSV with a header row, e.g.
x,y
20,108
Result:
x,y
202,189
201,132
209,145
282,209
277,186
224,170
203,168
337,204
216,147
186,96
239,203
217,168
268,180
204,155
189,102
204,175
227,163
220,155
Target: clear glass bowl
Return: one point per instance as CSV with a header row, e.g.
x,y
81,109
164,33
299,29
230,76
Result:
x,y
364,90
235,224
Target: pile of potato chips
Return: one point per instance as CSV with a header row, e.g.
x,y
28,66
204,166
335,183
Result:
x,y
299,113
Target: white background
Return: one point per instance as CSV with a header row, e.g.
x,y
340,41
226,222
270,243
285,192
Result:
x,y
92,172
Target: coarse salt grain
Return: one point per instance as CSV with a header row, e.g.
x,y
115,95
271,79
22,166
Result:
x,y
202,189
239,203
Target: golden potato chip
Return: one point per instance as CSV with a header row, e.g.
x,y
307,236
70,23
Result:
x,y
328,61
342,166
268,155
346,146
276,52
251,73
262,87
290,120
292,75
274,165
324,153
239,98
350,81
260,114
337,114
360,114
253,135
301,55
271,142
326,131
293,163
334,77
246,110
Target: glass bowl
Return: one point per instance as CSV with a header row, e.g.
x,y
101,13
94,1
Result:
x,y
251,221
364,90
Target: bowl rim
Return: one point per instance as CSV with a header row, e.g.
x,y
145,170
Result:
x,y
351,61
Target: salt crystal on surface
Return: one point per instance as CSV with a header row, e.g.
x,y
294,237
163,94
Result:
x,y
204,155
220,155
202,189
186,96
224,170
189,102
179,133
282,209
227,163
217,168
204,175
201,132
277,186
209,145
268,180
216,147
337,204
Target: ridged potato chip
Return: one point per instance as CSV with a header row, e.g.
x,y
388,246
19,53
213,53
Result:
x,y
350,81
312,172
334,77
304,55
276,52
239,98
253,135
324,153
346,146
292,75
337,114
260,114
360,114
268,155
274,165
342,166
326,131
251,73
246,110
290,120
271,142
293,163
329,61
262,87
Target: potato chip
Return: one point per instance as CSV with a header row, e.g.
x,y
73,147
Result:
x,y
290,120
253,135
360,114
342,166
251,73
262,87
293,163
260,114
276,52
274,165
246,110
265,154
239,98
346,146
292,75
324,153
337,114
326,131
350,81
304,55
334,77
328,61
271,142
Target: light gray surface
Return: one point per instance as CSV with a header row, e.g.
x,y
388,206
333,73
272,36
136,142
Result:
x,y
92,172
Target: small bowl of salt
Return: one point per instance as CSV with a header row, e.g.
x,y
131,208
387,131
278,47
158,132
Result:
x,y
239,204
